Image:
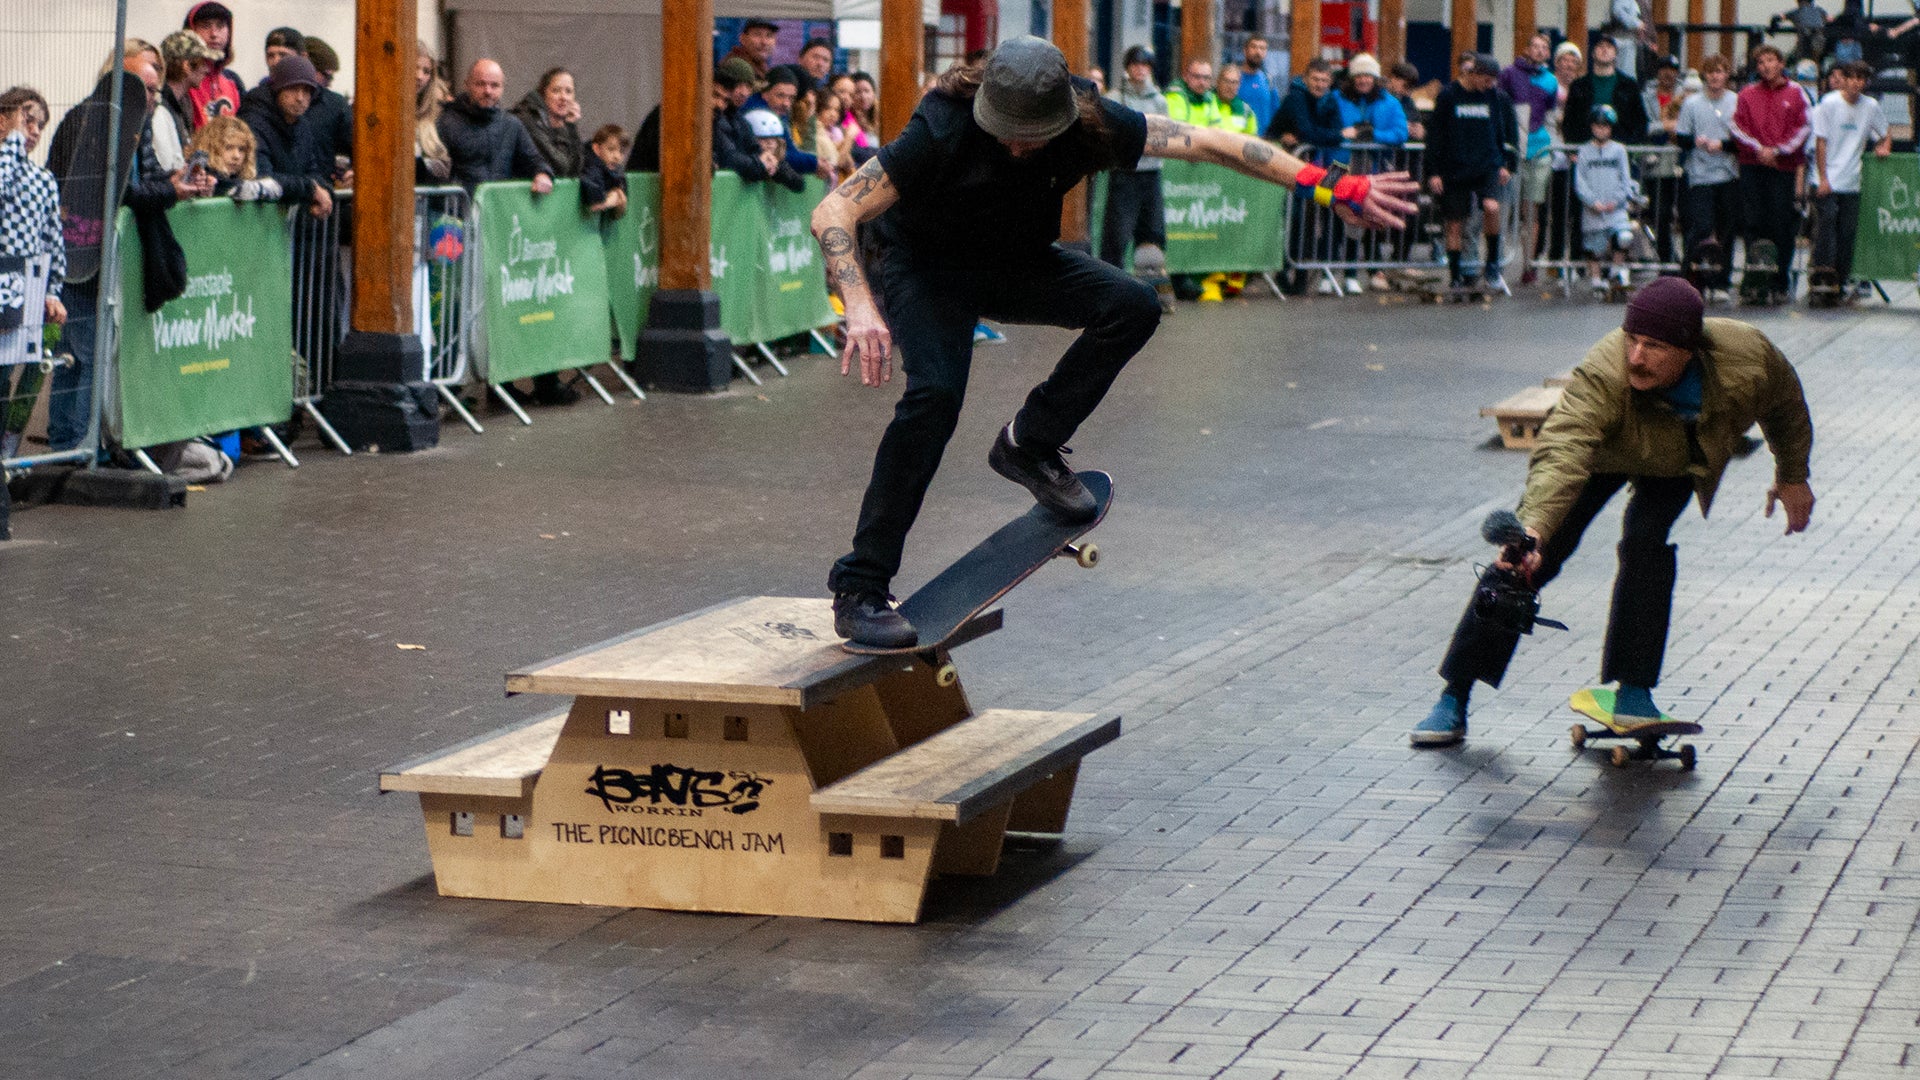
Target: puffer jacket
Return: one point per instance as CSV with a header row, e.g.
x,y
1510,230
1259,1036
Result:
x,y
1603,425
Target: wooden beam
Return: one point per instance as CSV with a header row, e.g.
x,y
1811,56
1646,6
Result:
x,y
1729,15
686,140
1466,31
1393,32
1662,13
1196,33
1577,24
1070,24
1523,27
1303,37
1696,42
903,48
384,46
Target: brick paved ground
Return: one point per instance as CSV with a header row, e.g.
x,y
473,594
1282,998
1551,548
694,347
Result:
x,y
1260,878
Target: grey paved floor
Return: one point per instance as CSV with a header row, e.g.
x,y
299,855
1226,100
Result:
x,y
1260,878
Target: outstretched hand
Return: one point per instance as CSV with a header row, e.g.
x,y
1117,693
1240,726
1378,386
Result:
x,y
867,335
1388,204
1797,499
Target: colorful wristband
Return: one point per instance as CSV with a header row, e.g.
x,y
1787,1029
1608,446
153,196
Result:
x,y
1310,176
1352,190
1323,196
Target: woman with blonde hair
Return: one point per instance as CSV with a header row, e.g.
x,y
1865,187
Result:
x,y
431,162
232,152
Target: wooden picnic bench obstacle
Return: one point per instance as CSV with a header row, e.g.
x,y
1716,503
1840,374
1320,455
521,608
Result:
x,y
1519,417
738,760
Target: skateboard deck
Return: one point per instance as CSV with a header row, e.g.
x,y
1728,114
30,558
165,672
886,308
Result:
x,y
1704,269
1150,266
1456,294
1757,273
1823,287
1597,704
942,607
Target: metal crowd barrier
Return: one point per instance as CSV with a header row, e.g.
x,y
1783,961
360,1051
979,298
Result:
x,y
446,290
1318,242
1658,233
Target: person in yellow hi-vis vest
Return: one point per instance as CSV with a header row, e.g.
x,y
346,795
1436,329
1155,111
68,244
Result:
x,y
1225,110
1188,101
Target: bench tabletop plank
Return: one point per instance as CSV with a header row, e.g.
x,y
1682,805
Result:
x,y
765,650
970,767
1534,400
503,763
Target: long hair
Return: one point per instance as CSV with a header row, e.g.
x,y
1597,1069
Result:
x,y
218,133
1089,131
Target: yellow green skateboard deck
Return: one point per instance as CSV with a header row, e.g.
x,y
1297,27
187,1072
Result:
x,y
1596,703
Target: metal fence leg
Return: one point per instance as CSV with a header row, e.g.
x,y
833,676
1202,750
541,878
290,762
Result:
x,y
595,385
746,370
147,462
512,405
632,387
326,429
772,359
1273,283
825,343
279,448
453,402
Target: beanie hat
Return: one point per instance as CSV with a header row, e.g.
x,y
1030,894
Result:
x,y
733,72
1565,48
325,59
1667,309
1026,94
293,71
1364,64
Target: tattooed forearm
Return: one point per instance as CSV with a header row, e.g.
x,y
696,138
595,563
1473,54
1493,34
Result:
x,y
868,179
843,273
1164,134
836,241
1256,152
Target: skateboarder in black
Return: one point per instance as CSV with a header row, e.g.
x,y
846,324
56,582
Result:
x,y
968,204
1660,406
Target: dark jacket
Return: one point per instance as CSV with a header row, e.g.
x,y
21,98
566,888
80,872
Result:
x,y
1315,122
77,157
332,118
1471,133
487,144
1576,125
290,153
561,146
596,181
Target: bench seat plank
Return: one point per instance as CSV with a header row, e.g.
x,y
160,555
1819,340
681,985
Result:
x,y
970,767
504,763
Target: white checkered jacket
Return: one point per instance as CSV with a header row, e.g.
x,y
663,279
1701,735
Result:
x,y
30,209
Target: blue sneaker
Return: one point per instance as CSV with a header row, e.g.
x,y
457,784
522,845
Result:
x,y
987,335
1445,725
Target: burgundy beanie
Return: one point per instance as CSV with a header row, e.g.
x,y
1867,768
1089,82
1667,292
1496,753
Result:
x,y
1667,309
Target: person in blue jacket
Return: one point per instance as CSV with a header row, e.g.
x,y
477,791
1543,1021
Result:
x,y
1368,114
1307,125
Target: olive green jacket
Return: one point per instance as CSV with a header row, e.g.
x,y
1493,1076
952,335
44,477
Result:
x,y
1603,425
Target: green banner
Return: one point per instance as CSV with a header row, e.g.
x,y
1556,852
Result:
x,y
767,270
545,281
220,356
1217,219
633,258
1888,245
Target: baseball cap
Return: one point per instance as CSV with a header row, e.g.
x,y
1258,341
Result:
x,y
765,125
760,24
293,71
1025,94
184,45
286,37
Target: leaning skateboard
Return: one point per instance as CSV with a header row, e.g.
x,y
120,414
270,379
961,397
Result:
x,y
1823,288
1150,266
1707,265
943,607
1597,704
1757,274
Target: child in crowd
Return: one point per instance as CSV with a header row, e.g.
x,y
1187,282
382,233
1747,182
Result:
x,y
603,179
771,134
1844,122
1604,186
229,145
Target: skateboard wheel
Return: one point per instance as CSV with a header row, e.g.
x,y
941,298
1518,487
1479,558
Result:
x,y
1087,555
1686,758
946,676
1578,734
1621,755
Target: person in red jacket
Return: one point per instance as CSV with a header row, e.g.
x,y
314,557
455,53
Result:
x,y
1770,135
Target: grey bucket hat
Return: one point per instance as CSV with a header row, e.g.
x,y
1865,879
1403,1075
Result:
x,y
1025,94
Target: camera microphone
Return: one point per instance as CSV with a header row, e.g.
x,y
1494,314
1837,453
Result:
x,y
1503,529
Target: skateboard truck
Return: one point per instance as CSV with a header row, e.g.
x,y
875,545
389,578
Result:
x,y
1087,555
1650,738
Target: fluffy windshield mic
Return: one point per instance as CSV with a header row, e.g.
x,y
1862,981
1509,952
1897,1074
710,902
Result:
x,y
1503,529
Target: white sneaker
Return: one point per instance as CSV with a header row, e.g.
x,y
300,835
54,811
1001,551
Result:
x,y
1378,282
1354,288
1325,288
1622,277
1596,284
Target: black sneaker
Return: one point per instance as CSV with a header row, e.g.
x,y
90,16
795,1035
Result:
x,y
866,618
1044,473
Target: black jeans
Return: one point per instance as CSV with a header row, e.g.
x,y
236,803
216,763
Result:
x,y
1713,212
931,306
1136,214
1767,195
1836,221
1642,588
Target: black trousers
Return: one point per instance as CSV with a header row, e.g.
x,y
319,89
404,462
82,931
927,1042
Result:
x,y
1713,212
1136,214
1836,221
931,308
1767,195
1642,588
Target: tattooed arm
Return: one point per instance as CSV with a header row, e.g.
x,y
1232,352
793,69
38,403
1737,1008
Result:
x,y
1386,200
836,220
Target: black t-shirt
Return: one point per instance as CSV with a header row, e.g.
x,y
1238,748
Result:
x,y
964,198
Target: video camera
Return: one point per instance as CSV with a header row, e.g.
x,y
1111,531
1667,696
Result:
x,y
1505,597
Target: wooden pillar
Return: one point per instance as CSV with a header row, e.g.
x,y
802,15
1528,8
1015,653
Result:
x,y
903,48
1663,41
1524,25
1729,15
1303,35
686,123
1696,42
1393,32
384,45
1196,33
1466,31
1070,24
1577,23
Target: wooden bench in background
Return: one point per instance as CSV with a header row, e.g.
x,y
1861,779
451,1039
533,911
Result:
x,y
738,760
1520,416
